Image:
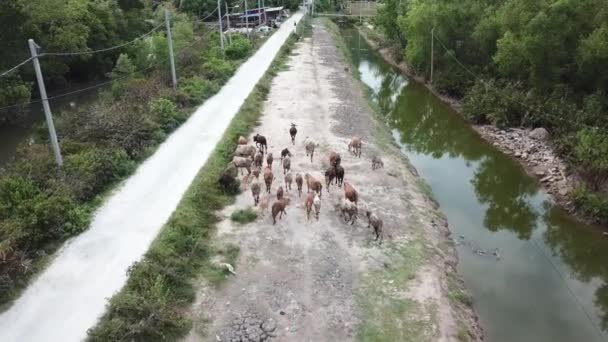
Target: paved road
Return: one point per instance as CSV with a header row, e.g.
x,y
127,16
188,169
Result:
x,y
71,294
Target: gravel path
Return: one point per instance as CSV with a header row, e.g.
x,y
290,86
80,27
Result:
x,y
324,280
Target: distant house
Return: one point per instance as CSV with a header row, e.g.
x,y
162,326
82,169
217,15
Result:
x,y
258,16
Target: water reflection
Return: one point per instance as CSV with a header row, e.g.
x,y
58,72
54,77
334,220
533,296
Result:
x,y
552,281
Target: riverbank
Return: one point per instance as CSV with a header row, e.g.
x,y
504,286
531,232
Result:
x,y
532,150
325,280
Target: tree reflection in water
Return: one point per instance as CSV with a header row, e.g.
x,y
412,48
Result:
x,y
502,190
584,252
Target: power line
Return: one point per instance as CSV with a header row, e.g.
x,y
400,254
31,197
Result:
x,y
486,84
157,63
16,67
599,332
456,59
206,17
77,53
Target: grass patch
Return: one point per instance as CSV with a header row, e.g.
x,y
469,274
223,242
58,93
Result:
x,y
386,314
244,216
152,305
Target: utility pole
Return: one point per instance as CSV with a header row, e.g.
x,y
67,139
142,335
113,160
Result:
x,y
219,14
45,103
228,20
265,19
259,12
246,19
171,57
432,52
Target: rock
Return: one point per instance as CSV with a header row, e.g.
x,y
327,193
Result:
x,y
524,156
539,172
269,325
563,192
546,179
539,134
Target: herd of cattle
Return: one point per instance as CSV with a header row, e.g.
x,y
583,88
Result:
x,y
251,158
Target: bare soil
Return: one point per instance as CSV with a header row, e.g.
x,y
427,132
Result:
x,y
325,280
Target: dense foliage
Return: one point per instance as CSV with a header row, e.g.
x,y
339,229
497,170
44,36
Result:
x,y
40,206
517,63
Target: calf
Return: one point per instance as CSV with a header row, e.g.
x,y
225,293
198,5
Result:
x,y
299,182
257,160
310,149
269,160
255,192
268,177
317,204
245,151
286,165
334,159
292,132
308,203
288,181
256,172
242,140
330,175
278,207
314,184
280,193
377,163
350,193
374,221
348,210
285,153
354,146
260,142
242,163
339,175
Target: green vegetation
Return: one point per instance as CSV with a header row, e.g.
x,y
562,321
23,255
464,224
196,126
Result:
x,y
40,205
244,216
517,63
151,306
387,314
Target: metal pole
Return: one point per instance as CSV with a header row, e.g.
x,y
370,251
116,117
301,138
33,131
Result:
x,y
45,104
246,19
259,12
432,52
171,57
219,13
228,21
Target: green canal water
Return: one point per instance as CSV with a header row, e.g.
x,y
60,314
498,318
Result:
x,y
551,280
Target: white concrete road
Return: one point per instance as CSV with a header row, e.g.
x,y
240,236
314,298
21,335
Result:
x,y
71,294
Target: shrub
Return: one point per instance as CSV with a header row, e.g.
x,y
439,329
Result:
x,y
591,203
167,114
591,151
195,90
243,216
239,48
13,91
88,172
217,69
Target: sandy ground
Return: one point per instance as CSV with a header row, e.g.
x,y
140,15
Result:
x,y
324,280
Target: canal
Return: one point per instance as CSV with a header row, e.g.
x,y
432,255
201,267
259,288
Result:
x,y
550,281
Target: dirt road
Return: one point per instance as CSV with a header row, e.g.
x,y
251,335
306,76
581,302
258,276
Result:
x,y
325,280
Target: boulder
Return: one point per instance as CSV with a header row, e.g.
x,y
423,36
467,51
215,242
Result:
x,y
539,134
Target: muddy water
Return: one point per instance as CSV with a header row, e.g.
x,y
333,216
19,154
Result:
x,y
549,278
